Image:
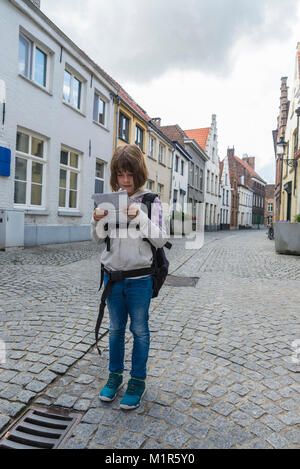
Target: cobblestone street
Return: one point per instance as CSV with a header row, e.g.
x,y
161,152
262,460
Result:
x,y
220,371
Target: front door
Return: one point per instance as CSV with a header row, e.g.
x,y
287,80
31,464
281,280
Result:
x,y
289,204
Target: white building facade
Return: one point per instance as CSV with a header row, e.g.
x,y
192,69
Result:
x,y
212,195
180,178
207,139
245,197
58,126
225,192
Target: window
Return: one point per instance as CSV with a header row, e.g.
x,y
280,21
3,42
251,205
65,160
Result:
x,y
139,137
29,187
176,163
196,176
227,198
207,181
182,168
161,153
192,174
212,183
201,179
68,179
32,61
123,127
150,185
151,147
99,179
72,90
175,196
216,186
99,112
160,190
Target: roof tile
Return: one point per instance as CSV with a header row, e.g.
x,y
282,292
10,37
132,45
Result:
x,y
199,135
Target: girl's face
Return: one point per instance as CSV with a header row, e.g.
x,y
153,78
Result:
x,y
126,181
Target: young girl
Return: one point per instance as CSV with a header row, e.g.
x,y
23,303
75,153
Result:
x,y
131,296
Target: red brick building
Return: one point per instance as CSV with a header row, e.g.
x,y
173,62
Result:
x,y
242,172
269,204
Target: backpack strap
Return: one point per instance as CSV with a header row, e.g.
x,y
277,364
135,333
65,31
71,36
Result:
x,y
148,200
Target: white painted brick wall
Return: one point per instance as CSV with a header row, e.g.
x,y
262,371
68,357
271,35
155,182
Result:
x,y
38,111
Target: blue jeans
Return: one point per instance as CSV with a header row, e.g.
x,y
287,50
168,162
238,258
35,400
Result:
x,y
129,297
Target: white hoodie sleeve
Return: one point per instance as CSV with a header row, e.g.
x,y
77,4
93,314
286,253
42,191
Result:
x,y
100,234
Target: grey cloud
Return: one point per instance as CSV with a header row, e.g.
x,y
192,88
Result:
x,y
138,40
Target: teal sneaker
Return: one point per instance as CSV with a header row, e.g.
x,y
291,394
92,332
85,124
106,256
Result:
x,y
136,388
109,391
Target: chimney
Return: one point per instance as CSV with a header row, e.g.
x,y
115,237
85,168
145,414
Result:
x,y
156,121
250,160
283,109
230,151
37,3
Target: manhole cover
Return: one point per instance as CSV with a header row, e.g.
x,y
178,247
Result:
x,y
40,428
173,281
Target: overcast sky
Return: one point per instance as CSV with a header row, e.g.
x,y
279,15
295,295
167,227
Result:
x,y
186,60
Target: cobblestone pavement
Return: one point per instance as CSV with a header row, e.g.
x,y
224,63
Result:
x,y
220,371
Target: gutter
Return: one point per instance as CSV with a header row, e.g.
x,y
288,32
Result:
x,y
117,120
204,156
100,73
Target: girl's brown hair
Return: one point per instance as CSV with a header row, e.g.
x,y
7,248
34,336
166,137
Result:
x,y
128,158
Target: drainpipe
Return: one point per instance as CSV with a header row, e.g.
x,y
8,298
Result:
x,y
117,120
171,185
297,148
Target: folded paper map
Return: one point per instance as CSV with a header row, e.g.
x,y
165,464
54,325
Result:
x,y
115,203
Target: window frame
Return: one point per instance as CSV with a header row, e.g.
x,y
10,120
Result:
x,y
152,145
161,153
201,179
103,163
122,118
105,103
80,79
182,167
69,169
192,173
150,184
139,132
34,45
208,180
160,192
197,176
30,158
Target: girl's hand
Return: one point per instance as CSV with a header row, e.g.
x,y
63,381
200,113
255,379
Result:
x,y
99,214
132,211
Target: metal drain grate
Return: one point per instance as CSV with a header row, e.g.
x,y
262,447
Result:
x,y
40,428
173,281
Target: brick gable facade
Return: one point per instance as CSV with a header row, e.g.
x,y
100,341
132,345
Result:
x,y
241,173
269,199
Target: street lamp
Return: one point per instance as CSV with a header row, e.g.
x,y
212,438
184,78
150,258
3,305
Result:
x,y
281,147
281,151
